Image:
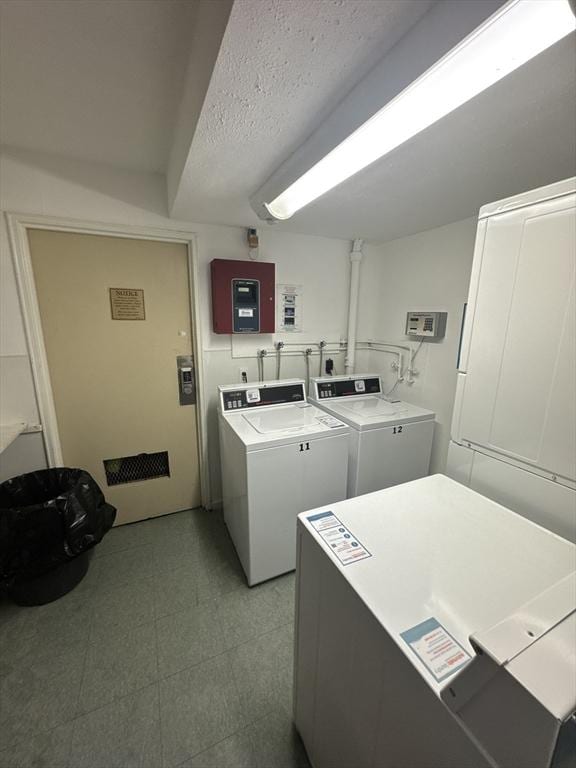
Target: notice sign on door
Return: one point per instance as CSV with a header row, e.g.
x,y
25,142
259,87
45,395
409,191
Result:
x,y
436,648
338,538
127,304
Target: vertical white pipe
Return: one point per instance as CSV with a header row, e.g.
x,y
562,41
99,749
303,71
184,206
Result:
x,y
355,259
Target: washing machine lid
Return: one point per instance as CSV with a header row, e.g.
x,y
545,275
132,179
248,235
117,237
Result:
x,y
289,418
283,425
270,414
358,400
372,406
371,412
435,537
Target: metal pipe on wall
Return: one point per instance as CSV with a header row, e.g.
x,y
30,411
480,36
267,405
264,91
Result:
x,y
355,259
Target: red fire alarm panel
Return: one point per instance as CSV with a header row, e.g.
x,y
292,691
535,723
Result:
x,y
243,296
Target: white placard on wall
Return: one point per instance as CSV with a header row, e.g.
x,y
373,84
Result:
x,y
289,308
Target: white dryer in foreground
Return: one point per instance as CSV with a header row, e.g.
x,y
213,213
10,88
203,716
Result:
x,y
434,627
390,441
280,456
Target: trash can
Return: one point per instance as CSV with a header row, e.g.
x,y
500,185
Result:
x,y
50,521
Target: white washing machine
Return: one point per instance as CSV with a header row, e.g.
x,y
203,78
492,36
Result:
x,y
279,456
390,440
434,627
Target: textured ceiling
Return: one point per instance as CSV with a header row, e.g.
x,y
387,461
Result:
x,y
98,80
283,66
108,81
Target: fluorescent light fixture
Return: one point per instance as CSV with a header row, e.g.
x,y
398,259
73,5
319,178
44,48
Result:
x,y
520,30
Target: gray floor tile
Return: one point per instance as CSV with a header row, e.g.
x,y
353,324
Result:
x,y
275,742
234,752
97,650
188,638
15,654
125,734
59,627
46,750
171,529
176,590
39,697
204,517
17,627
118,663
248,613
121,568
72,609
124,606
91,581
206,525
47,642
199,708
263,673
216,546
219,569
124,537
168,555
177,521
15,620
282,589
220,578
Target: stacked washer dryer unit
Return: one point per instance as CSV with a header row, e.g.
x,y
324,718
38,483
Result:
x,y
390,441
280,456
514,423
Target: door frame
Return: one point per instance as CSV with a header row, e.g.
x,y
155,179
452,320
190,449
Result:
x,y
18,225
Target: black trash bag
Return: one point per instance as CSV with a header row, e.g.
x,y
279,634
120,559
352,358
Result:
x,y
48,518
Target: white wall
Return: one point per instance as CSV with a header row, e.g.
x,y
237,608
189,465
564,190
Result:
x,y
427,271
39,184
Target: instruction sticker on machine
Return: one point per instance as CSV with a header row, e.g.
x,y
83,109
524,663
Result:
x,y
436,648
338,538
330,421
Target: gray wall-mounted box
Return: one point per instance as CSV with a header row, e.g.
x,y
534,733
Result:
x,y
426,325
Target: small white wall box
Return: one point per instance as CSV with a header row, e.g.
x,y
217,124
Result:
x,y
428,325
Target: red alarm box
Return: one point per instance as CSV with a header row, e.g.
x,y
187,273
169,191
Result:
x,y
243,296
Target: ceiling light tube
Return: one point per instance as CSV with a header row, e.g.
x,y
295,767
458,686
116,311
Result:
x,y
517,32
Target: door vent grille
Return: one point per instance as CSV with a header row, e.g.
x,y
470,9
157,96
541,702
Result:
x,y
131,469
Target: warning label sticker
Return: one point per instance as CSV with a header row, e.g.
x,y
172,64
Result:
x,y
330,421
338,538
436,648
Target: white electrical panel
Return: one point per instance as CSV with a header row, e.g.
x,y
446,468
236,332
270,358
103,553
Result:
x,y
290,308
426,325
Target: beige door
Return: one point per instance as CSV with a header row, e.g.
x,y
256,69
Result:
x,y
115,381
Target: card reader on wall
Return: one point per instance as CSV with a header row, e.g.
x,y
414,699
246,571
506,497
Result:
x,y
246,305
243,296
426,325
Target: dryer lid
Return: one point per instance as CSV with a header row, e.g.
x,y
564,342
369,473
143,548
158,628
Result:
x,y
288,419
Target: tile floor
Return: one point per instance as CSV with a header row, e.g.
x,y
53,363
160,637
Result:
x,y
161,657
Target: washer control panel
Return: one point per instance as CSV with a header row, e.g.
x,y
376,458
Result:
x,y
348,387
258,396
